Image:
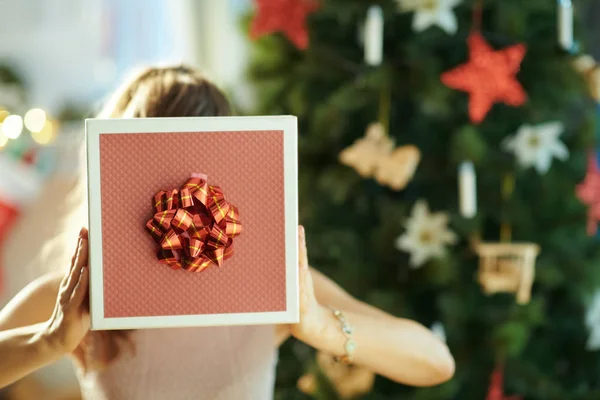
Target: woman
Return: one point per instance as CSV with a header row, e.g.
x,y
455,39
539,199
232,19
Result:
x,y
49,318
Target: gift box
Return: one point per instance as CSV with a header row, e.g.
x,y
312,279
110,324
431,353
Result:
x,y
192,221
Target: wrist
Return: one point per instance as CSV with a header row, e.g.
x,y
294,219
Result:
x,y
48,342
334,335
323,332
313,327
36,343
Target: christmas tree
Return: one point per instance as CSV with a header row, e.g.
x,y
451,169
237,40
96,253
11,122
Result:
x,y
446,91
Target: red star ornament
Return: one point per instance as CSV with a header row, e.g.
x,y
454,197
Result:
x,y
285,16
588,192
489,76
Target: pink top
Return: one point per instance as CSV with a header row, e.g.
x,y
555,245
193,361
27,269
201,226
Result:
x,y
217,363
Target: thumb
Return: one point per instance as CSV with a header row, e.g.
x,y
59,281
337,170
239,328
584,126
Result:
x,y
303,253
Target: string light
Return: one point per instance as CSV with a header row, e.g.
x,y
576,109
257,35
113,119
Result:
x,y
42,128
3,138
35,119
45,135
12,126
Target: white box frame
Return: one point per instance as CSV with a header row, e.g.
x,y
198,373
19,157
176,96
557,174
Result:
x,y
96,127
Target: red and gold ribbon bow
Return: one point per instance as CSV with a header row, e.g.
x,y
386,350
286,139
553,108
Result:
x,y
194,226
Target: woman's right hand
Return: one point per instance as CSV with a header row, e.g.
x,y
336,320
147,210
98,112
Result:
x,y
70,320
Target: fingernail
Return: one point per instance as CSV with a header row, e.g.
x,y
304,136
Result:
x,y
83,233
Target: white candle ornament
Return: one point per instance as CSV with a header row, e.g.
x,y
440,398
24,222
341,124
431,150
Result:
x,y
565,24
467,186
374,36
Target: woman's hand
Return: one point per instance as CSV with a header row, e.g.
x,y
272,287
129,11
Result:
x,y
312,314
28,339
399,349
70,319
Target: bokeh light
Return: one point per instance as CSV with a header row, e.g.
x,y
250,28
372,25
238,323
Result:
x,y
3,114
45,135
12,126
3,138
35,119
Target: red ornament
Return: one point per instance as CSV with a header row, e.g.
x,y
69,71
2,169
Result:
x,y
496,390
285,16
588,192
19,186
29,157
489,76
8,216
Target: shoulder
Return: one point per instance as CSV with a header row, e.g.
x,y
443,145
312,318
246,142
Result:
x,y
44,286
33,304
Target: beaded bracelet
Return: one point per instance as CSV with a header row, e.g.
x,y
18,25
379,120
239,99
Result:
x,y
347,330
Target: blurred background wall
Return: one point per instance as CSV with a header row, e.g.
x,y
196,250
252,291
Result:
x,y
70,50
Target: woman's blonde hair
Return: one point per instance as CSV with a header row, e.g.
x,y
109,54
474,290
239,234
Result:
x,y
154,92
176,91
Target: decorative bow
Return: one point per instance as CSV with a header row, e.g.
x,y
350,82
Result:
x,y
194,226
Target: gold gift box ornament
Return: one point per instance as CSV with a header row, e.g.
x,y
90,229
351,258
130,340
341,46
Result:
x,y
507,268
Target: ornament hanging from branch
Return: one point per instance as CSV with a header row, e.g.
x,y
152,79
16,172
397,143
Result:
x,y
467,188
373,39
427,235
489,77
398,168
587,66
496,389
507,268
588,192
592,321
439,330
535,146
430,13
565,25
285,16
375,156
366,153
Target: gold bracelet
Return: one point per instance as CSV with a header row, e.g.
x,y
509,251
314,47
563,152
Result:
x,y
347,330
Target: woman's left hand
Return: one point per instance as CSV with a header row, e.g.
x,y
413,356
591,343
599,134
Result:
x,y
311,312
397,348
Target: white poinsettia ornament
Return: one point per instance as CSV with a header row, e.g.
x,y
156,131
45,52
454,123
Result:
x,y
431,12
536,145
592,321
426,236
